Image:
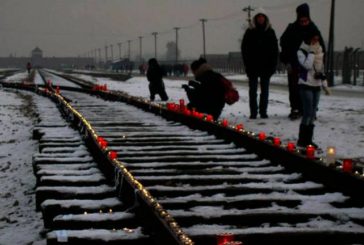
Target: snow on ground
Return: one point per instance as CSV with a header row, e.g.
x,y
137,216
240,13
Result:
x,y
19,223
340,120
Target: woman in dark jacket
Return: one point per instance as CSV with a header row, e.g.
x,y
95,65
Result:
x,y
155,78
259,49
206,94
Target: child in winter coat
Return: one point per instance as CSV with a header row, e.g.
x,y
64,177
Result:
x,y
311,79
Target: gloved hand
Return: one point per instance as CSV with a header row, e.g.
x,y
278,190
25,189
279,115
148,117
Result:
x,y
315,48
327,90
185,86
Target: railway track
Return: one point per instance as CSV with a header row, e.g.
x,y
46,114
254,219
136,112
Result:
x,y
203,184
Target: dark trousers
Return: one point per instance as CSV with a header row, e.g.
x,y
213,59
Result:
x,y
294,96
158,89
264,94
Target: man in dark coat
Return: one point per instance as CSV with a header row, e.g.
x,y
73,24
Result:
x,y
259,49
207,93
155,78
290,42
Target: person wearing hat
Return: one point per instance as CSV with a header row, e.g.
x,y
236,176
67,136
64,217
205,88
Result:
x,y
259,50
290,42
206,93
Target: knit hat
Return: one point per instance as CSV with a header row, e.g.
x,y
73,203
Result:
x,y
197,63
260,11
303,10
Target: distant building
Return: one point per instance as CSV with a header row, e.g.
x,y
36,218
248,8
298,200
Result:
x,y
37,60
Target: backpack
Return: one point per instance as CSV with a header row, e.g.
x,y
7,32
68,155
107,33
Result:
x,y
231,94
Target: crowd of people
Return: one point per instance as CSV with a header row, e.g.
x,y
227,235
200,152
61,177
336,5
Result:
x,y
301,51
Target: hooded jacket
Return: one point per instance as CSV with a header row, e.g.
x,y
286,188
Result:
x,y
259,49
209,95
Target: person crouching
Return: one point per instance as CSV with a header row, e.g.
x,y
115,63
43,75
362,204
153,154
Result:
x,y
206,93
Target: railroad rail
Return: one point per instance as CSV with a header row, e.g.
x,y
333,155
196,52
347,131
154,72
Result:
x,y
194,184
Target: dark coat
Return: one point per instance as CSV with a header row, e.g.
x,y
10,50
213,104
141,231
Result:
x,y
155,77
259,50
206,94
292,39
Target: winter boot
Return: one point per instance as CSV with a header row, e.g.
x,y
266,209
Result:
x,y
303,136
310,135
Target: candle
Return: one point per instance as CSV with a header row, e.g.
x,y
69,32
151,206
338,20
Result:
x,y
187,112
102,142
224,238
113,155
239,127
330,155
310,151
209,118
261,136
182,104
224,123
276,141
348,165
57,89
291,147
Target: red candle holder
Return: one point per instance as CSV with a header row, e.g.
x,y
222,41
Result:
x,y
223,238
209,118
113,155
291,147
224,123
276,141
239,127
187,112
348,165
182,104
57,89
261,136
310,152
100,139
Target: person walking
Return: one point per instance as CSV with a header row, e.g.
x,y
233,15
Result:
x,y
29,67
155,78
311,78
207,93
259,50
290,42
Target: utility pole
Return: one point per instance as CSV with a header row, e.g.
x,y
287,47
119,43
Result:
x,y
249,9
129,41
99,50
176,28
105,54
119,44
330,48
203,37
112,52
155,44
140,49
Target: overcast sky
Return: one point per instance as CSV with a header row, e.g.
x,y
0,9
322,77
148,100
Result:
x,y
73,27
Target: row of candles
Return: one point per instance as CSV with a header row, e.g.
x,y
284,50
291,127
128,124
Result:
x,y
182,236
330,159
347,165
